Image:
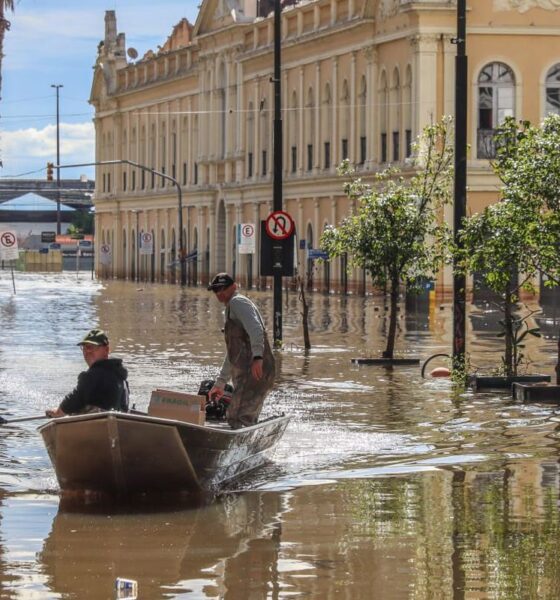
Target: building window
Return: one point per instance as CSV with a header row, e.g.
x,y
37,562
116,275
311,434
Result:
x,y
553,91
143,179
104,183
153,182
327,155
124,181
383,147
173,171
264,169
396,146
496,95
408,134
294,159
162,184
309,157
363,141
344,149
133,186
195,174
108,182
250,164
185,173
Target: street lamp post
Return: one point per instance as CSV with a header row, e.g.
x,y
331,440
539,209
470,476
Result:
x,y
57,86
460,189
123,161
277,181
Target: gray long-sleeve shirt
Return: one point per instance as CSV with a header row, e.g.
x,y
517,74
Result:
x,y
243,310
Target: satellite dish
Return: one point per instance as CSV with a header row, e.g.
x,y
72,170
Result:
x,y
132,53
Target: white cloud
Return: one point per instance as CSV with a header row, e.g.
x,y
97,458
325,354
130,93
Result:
x,y
76,140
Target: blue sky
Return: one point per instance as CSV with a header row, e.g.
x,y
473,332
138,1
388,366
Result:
x,y
55,42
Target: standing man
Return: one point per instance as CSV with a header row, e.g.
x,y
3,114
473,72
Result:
x,y
102,386
249,362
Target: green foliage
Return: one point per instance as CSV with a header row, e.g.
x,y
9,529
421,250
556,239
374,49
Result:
x,y
394,232
82,222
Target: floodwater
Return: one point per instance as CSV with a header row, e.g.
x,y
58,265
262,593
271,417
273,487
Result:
x,y
385,486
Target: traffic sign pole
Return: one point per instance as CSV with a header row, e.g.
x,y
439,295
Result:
x,y
277,181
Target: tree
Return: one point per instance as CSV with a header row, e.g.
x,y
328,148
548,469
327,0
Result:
x,y
396,233
523,229
530,172
5,5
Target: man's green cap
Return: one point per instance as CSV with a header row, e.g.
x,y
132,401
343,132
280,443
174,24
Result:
x,y
95,337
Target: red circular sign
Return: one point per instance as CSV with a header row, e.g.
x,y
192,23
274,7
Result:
x,y
8,239
279,225
248,230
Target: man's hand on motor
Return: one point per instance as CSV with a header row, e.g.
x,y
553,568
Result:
x,y
216,392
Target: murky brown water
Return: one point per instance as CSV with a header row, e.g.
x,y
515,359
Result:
x,y
385,485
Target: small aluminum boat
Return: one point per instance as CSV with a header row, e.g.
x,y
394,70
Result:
x,y
125,454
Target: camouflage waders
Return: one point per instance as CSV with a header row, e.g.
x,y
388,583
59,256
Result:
x,y
248,393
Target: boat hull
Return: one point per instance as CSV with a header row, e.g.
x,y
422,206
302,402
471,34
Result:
x,y
125,454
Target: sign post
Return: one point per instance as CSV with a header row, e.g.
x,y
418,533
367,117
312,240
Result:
x,y
9,250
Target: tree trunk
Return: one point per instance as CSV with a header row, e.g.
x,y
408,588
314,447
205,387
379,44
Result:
x,y
304,315
511,368
389,350
558,362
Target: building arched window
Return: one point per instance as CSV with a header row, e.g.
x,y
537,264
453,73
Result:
x,y
326,126
362,104
265,136
309,129
407,108
250,140
294,128
383,117
395,111
496,101
344,120
552,106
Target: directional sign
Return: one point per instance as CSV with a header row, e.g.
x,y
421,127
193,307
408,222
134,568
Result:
x,y
279,225
8,245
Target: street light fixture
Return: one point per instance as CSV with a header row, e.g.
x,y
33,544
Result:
x,y
123,161
57,86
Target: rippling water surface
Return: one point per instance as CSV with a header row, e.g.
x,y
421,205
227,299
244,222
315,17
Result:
x,y
386,485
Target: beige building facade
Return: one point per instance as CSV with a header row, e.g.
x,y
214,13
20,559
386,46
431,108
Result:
x,y
360,79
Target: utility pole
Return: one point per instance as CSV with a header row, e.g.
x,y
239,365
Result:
x,y
57,86
460,189
277,185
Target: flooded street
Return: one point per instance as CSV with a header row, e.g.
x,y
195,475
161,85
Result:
x,y
385,486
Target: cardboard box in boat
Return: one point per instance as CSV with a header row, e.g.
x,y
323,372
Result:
x,y
168,404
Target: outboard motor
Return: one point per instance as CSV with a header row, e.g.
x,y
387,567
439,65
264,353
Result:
x,y
215,409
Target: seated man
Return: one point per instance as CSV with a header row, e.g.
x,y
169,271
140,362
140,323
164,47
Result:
x,y
102,386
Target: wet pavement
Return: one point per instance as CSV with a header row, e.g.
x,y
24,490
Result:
x,y
385,485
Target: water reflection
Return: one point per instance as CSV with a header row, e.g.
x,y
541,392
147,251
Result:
x,y
228,550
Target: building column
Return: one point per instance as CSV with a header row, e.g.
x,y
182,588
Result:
x,y
301,120
353,141
371,101
317,141
424,78
335,142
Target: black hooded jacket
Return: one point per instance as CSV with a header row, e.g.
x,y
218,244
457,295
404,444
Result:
x,y
103,385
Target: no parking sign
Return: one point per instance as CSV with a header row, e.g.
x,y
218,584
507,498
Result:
x,y
246,238
8,245
146,243
105,254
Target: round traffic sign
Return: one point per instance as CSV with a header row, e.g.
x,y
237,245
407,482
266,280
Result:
x,y
279,225
146,238
247,230
7,239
